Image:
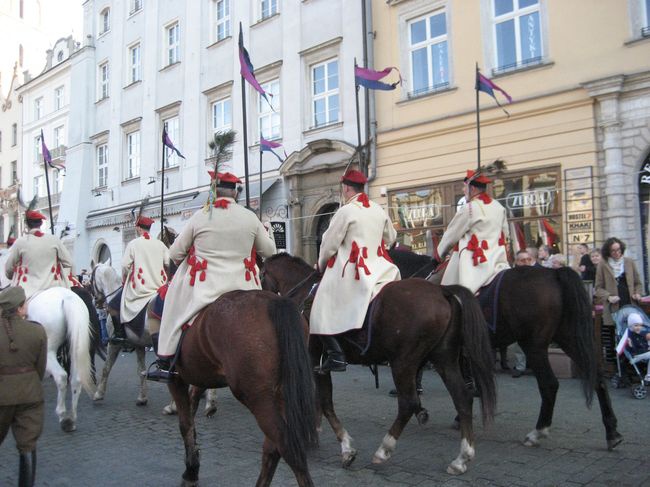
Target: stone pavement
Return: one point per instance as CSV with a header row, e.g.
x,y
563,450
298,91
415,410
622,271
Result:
x,y
120,444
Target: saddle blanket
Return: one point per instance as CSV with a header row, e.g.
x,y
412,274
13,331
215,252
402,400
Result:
x,y
488,299
136,325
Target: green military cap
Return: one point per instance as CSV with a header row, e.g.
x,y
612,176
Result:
x,y
12,297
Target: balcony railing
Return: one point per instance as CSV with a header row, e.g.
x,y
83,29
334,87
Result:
x,y
58,153
645,32
41,203
428,89
518,65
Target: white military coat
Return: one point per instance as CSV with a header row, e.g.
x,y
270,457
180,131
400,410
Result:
x,y
478,234
4,280
143,273
356,266
216,251
38,261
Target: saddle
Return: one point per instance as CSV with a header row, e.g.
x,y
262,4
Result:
x,y
361,338
136,325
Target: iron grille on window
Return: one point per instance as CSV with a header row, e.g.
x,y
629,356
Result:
x,y
429,89
645,32
519,65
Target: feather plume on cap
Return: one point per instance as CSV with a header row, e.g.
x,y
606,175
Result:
x,y
494,169
221,147
143,204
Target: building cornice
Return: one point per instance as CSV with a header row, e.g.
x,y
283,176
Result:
x,y
323,45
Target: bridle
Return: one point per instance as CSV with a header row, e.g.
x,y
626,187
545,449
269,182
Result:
x,y
100,297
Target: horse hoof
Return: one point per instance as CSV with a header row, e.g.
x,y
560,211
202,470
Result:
x,y
614,442
169,411
211,411
455,425
189,483
422,416
68,425
141,402
98,397
456,469
348,458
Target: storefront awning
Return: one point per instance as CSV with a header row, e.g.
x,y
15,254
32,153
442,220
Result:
x,y
200,199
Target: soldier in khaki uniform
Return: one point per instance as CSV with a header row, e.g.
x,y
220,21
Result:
x,y
23,354
355,266
144,271
216,253
477,236
38,261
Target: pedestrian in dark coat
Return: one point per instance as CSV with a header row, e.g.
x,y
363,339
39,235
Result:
x,y
23,355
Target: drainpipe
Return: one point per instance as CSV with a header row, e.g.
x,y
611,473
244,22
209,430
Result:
x,y
369,60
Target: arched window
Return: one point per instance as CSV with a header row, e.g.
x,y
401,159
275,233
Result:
x,y
59,56
104,254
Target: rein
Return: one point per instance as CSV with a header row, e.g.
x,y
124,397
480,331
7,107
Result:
x,y
97,292
295,288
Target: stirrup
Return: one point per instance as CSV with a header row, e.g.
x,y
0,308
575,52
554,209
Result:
x,y
159,374
330,365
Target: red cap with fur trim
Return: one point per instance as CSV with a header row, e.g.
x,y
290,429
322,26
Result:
x,y
10,241
144,221
227,180
480,179
353,176
34,215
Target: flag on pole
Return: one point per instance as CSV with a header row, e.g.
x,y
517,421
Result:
x,y
486,85
247,70
47,157
622,343
269,145
369,78
168,143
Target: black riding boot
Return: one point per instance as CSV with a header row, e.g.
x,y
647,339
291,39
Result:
x,y
119,334
27,471
335,361
162,372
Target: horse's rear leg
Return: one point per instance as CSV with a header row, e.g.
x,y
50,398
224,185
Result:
x,y
408,403
111,356
180,392
270,458
548,385
61,380
462,398
324,391
142,397
210,403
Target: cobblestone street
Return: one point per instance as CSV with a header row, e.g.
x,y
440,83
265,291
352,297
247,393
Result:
x,y
120,444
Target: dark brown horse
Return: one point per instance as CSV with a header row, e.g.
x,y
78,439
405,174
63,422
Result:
x,y
538,306
413,321
255,343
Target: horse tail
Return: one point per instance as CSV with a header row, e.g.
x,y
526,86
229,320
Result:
x,y
578,321
79,334
477,349
299,425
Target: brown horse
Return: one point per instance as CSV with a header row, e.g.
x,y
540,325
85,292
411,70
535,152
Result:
x,y
537,306
413,321
255,343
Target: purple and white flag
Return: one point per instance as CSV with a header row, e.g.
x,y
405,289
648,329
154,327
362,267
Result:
x,y
247,70
370,78
269,145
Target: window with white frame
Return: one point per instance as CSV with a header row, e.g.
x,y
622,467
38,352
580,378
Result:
x,y
57,182
221,114
268,119
222,19
646,18
173,126
58,98
133,154
0,143
325,93
103,88
173,37
135,6
38,149
268,8
14,134
59,136
102,166
39,187
517,34
104,21
429,53
38,108
134,63
14,172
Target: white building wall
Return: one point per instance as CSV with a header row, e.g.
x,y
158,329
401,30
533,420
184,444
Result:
x,y
280,46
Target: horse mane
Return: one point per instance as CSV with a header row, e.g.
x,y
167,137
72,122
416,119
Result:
x,y
292,258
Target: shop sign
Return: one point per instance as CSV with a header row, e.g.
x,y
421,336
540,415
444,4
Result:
x,y
542,199
579,203
280,234
575,227
645,174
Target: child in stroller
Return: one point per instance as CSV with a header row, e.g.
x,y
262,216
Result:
x,y
633,332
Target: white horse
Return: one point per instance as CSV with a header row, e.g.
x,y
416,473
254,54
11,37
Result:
x,y
65,318
105,283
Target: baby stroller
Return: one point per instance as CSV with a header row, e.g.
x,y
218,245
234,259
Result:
x,y
619,380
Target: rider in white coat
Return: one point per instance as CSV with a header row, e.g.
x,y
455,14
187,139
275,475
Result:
x,y
355,266
477,236
4,280
38,261
216,253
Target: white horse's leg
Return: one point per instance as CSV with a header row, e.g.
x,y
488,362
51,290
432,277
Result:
x,y
533,438
61,380
142,398
170,409
75,386
211,402
112,353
